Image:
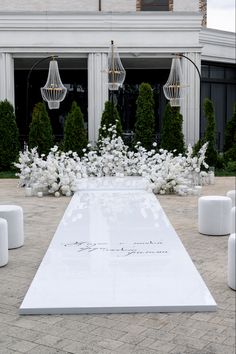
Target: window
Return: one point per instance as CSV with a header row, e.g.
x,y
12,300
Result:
x,y
219,85
155,5
205,71
230,74
216,72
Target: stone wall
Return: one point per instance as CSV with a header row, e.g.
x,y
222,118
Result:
x,y
138,5
49,5
65,5
93,5
183,5
171,5
203,10
118,5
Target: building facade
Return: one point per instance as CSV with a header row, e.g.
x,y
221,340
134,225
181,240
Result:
x,y
146,33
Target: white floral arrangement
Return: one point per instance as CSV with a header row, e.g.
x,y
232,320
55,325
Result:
x,y
59,172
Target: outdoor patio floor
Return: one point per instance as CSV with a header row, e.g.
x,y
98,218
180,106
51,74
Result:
x,y
147,333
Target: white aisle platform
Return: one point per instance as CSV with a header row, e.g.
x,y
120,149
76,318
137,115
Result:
x,y
115,251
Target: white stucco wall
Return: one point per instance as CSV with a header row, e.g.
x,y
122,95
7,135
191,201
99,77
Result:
x,y
186,5
133,32
65,5
48,5
86,5
118,5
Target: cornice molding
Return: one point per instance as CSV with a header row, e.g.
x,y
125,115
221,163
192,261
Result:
x,y
70,51
218,46
94,21
217,37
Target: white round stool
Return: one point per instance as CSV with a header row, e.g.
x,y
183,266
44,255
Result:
x,y
3,242
231,261
214,215
233,220
14,217
232,194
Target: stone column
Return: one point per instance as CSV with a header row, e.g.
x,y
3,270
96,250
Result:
x,y
190,107
97,92
7,86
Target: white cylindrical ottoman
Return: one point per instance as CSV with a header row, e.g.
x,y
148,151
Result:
x,y
232,194
214,215
3,242
231,261
233,220
14,217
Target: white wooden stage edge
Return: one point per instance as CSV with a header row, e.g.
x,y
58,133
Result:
x,y
115,251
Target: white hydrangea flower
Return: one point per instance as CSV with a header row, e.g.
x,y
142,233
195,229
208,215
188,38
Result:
x,y
60,172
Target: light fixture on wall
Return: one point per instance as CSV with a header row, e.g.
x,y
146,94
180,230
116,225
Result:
x,y
174,87
54,91
116,71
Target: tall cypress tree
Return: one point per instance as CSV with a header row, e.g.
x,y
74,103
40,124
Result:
x,y
9,136
210,136
230,138
110,116
230,132
144,130
172,137
40,130
75,135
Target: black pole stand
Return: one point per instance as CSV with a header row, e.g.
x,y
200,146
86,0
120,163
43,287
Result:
x,y
27,119
200,91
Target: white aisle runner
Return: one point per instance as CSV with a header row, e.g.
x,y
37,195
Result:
x,y
115,251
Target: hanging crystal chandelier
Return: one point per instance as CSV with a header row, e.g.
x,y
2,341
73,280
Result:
x,y
54,91
116,71
173,89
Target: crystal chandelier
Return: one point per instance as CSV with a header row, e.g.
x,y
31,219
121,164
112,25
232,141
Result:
x,y
116,71
54,91
173,89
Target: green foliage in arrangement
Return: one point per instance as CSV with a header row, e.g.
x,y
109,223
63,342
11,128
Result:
x,y
9,136
75,135
210,136
172,137
144,130
230,138
110,116
40,129
197,146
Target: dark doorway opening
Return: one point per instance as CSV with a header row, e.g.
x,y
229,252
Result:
x,y
127,96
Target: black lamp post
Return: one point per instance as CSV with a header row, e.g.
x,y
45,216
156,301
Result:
x,y
173,89
27,120
184,56
53,92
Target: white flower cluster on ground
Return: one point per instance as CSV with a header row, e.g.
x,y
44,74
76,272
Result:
x,y
59,172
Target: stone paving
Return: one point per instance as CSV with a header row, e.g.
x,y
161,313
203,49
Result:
x,y
146,333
